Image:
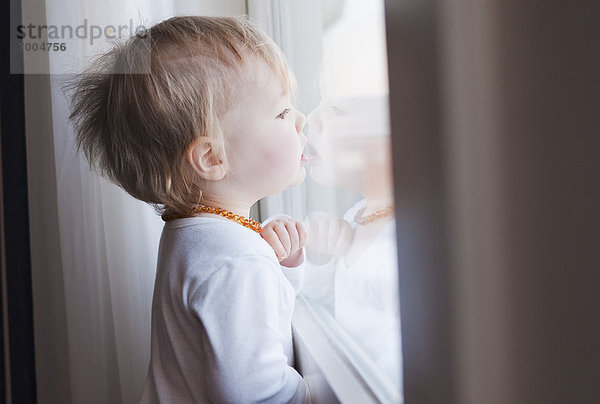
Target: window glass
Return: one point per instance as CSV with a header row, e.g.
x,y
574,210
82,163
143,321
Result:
x,y
351,279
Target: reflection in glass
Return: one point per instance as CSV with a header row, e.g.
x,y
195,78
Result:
x,y
352,254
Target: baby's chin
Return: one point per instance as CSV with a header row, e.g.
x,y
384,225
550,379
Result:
x,y
298,179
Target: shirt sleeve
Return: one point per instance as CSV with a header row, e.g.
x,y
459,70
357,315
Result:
x,y
295,276
241,308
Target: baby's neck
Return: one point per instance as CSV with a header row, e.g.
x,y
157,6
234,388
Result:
x,y
236,206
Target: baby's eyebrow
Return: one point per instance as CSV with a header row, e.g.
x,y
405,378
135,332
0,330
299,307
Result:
x,y
279,103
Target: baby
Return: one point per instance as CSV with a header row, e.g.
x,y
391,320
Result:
x,y
209,130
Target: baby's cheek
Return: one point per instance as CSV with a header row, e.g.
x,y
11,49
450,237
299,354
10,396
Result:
x,y
283,153
281,157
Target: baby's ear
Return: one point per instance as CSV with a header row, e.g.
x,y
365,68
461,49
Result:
x,y
206,159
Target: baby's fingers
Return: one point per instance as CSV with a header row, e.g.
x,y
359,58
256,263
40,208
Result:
x,y
302,230
271,237
292,235
285,238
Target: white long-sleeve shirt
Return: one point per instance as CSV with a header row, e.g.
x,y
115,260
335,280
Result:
x,y
221,318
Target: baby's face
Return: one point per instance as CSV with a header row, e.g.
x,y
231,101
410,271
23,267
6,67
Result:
x,y
349,141
264,135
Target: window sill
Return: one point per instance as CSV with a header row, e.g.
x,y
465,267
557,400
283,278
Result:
x,y
330,372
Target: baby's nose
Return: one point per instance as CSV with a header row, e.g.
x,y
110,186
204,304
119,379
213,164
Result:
x,y
315,123
300,121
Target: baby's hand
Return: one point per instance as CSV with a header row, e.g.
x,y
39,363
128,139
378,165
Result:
x,y
329,237
286,236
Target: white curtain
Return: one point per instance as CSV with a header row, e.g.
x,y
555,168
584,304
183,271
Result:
x,y
94,247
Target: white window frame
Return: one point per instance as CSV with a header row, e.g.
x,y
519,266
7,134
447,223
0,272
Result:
x,y
330,360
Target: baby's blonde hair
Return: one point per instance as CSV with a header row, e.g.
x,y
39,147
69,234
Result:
x,y
135,127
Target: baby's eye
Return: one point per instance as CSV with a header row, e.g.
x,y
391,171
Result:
x,y
338,111
283,114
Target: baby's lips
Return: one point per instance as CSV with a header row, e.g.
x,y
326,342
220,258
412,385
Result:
x,y
310,155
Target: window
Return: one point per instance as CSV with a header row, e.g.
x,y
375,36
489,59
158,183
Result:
x,y
350,300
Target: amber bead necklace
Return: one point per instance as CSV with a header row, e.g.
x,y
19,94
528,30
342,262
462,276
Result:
x,y
373,217
244,221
